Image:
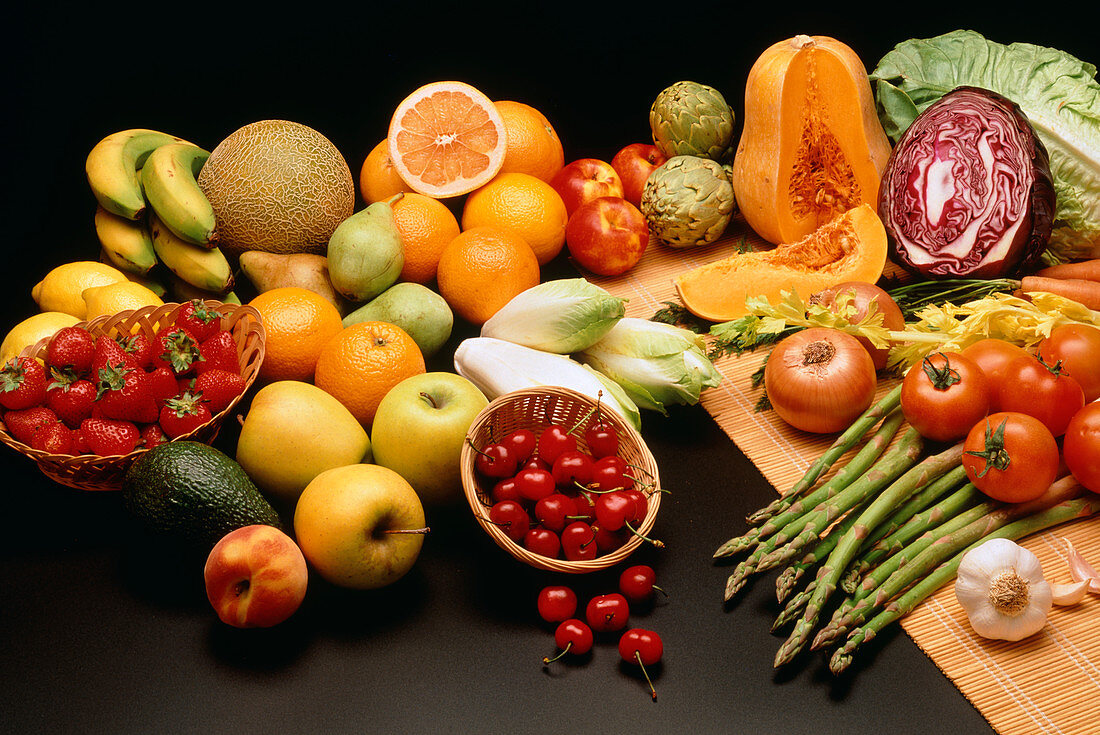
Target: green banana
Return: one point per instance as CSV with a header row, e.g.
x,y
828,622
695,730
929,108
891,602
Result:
x,y
203,268
127,243
168,177
113,167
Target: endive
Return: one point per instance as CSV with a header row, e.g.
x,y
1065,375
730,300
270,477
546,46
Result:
x,y
656,364
563,316
497,367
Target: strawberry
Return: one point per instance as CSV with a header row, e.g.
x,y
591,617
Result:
x,y
108,437
152,435
21,423
219,388
70,397
109,352
220,353
162,384
53,437
80,444
73,348
183,414
22,383
178,350
125,393
201,321
139,346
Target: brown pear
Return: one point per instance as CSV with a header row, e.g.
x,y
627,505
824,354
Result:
x,y
306,270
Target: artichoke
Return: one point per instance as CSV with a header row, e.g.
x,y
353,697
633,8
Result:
x,y
688,201
691,119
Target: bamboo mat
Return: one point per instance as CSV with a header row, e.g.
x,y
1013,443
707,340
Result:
x,y
1049,683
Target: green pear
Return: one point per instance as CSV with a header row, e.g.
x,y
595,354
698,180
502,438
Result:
x,y
365,255
417,309
293,432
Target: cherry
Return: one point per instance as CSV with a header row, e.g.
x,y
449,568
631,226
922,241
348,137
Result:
x,y
535,463
521,443
495,460
606,613
608,541
642,647
614,510
554,511
602,439
510,515
572,467
584,507
637,583
557,603
542,541
641,504
578,541
572,636
535,484
554,441
505,490
608,473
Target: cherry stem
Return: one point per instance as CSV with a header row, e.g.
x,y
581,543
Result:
x,y
661,590
547,660
423,530
656,542
573,429
652,690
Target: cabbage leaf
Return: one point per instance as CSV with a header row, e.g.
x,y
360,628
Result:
x,y
1058,93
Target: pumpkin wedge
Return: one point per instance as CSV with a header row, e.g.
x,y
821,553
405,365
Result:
x,y
812,146
851,247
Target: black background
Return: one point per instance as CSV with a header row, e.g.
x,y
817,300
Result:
x,y
102,632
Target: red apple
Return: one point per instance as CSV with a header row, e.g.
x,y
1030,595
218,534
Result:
x,y
607,235
586,179
634,164
255,577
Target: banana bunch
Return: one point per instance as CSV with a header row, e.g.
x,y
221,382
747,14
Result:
x,y
151,209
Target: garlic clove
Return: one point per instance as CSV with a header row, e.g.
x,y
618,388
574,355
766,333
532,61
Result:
x,y
1069,593
1080,570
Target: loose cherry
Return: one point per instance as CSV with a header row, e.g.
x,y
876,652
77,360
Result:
x,y
557,603
495,460
572,468
535,484
642,647
510,516
554,441
602,439
572,636
637,583
606,613
521,443
554,511
578,542
542,541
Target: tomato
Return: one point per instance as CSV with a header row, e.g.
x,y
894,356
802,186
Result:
x,y
1081,447
1011,457
1041,390
944,396
992,356
1077,347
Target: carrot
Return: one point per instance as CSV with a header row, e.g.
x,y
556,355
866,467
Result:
x,y
1088,270
1082,291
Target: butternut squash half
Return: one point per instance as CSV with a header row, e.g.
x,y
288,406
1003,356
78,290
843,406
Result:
x,y
812,146
851,247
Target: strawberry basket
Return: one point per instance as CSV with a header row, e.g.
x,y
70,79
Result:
x,y
94,472
537,409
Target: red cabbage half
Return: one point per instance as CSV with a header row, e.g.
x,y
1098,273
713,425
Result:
x,y
967,190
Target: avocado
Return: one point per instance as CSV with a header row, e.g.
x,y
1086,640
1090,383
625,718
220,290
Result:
x,y
193,492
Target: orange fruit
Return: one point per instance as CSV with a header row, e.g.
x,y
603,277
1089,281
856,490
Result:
x,y
533,144
483,269
299,323
378,178
525,205
446,139
425,226
363,361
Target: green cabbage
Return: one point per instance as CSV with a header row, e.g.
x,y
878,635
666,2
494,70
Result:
x,y
561,316
1058,93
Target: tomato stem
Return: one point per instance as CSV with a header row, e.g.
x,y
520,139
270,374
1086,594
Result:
x,y
995,455
941,378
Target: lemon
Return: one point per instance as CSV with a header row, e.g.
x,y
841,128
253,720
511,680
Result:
x,y
116,297
32,329
62,288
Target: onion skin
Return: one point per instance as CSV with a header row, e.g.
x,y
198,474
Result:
x,y
930,222
820,380
862,295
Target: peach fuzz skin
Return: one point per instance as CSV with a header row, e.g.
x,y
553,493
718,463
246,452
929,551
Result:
x,y
255,577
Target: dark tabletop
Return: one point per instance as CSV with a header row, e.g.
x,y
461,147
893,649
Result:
x,y
104,631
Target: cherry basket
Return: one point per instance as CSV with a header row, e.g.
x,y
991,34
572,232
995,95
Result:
x,y
536,409
93,472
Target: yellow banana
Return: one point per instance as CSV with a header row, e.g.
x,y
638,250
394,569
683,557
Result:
x,y
168,178
183,291
203,268
113,167
127,243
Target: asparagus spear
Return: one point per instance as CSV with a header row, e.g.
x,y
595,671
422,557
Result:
x,y
918,477
843,443
789,577
855,467
1062,512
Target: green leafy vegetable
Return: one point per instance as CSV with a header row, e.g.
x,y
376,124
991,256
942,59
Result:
x,y
559,316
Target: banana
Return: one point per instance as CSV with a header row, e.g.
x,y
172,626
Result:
x,y
203,268
168,177
112,168
127,243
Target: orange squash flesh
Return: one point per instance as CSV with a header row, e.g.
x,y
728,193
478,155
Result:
x,y
812,146
851,247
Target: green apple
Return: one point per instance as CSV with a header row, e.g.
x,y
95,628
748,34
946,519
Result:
x,y
417,309
419,430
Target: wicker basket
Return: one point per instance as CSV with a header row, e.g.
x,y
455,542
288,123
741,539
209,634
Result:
x,y
536,409
92,472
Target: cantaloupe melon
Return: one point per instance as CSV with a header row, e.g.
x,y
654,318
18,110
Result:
x,y
851,247
277,186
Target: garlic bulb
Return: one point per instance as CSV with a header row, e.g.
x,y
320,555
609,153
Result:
x,y
1001,587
